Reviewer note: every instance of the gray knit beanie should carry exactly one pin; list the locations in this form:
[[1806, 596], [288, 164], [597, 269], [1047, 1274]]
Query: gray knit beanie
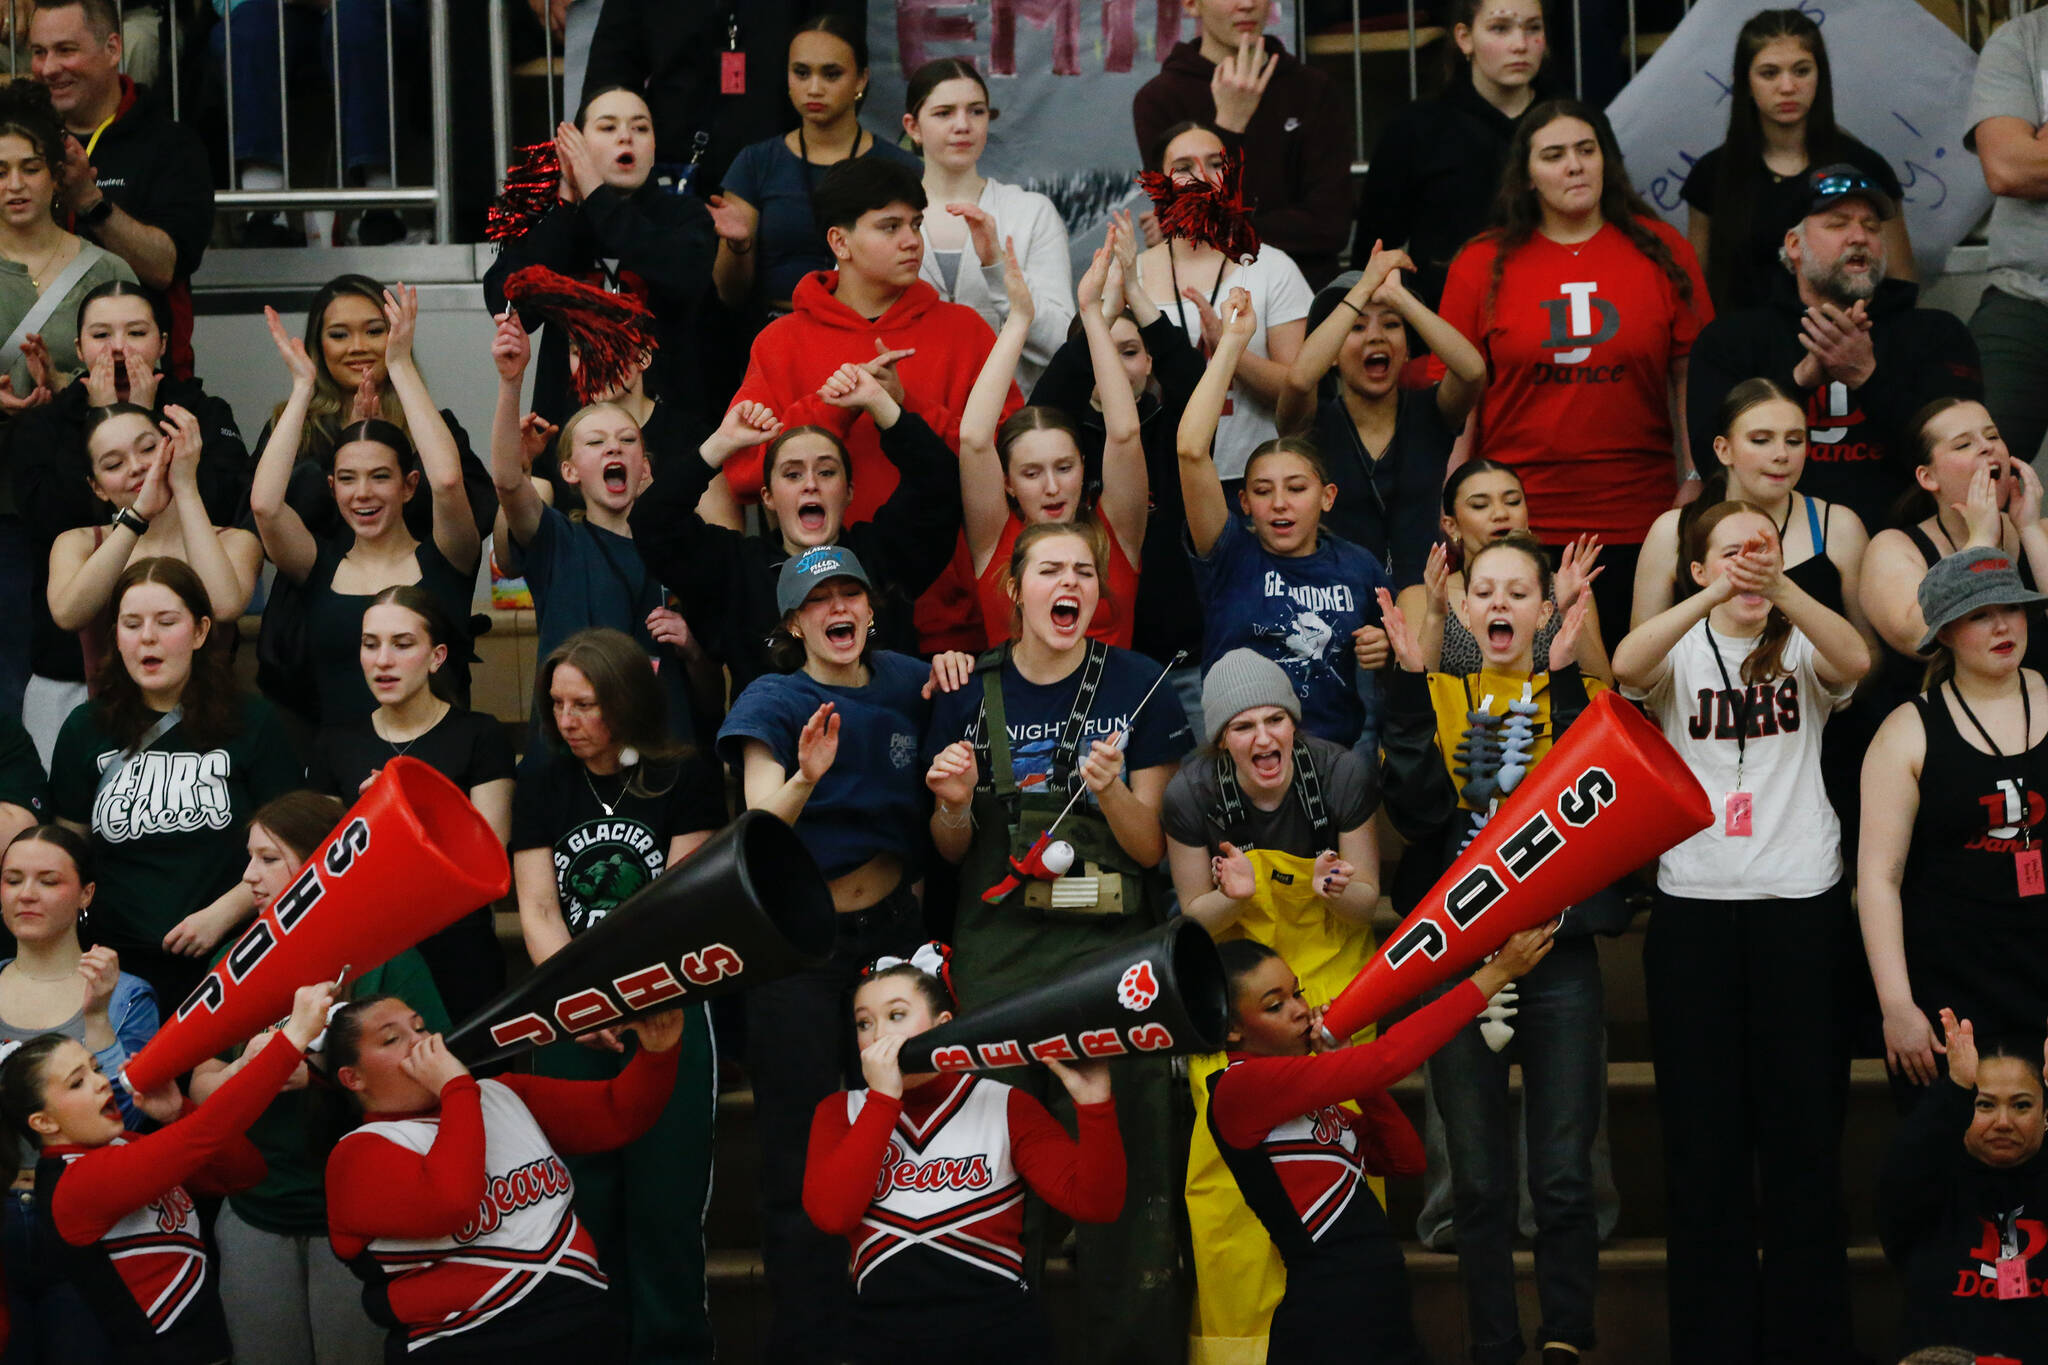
[[1240, 680]]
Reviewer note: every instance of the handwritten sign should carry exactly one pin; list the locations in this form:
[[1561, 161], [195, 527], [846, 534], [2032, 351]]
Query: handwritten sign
[[1911, 109]]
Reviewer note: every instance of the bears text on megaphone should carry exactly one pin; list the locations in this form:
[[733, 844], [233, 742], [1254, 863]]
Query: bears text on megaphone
[[269, 929], [638, 991], [1135, 990], [1534, 842]]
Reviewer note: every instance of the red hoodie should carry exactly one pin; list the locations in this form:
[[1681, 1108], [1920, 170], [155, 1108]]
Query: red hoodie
[[793, 355]]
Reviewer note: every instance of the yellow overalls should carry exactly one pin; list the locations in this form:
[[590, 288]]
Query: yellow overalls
[[1239, 1277]]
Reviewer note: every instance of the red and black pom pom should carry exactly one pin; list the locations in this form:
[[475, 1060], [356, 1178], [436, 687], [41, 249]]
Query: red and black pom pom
[[1200, 210], [613, 333], [532, 187]]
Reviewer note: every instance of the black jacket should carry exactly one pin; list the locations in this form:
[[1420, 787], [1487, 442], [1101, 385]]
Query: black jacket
[[1168, 613], [47, 467], [669, 50], [1945, 1219], [725, 579], [661, 243], [1859, 452], [1432, 180], [155, 169]]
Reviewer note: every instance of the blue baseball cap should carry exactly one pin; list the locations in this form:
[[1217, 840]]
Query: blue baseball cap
[[801, 573]]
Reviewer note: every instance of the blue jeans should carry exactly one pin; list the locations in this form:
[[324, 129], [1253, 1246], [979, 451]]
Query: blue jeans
[[1558, 1044], [50, 1323], [309, 37]]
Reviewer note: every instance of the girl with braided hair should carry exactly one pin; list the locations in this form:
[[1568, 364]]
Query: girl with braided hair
[[1585, 396], [1751, 915], [1457, 744]]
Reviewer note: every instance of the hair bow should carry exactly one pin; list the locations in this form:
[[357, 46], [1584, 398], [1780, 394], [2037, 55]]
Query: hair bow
[[934, 959]]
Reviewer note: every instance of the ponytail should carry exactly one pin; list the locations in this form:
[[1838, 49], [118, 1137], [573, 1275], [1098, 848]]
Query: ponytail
[[21, 1094]]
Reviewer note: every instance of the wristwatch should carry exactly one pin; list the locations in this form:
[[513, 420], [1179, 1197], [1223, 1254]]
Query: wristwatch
[[95, 217], [131, 519]]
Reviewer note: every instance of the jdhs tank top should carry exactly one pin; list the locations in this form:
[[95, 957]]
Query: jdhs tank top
[[1973, 942]]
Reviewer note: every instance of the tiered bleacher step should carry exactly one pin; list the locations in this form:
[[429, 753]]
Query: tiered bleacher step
[[1631, 1320], [1632, 1265]]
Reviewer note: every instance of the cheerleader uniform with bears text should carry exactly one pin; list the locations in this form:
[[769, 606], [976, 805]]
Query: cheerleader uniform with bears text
[[462, 1223], [1302, 1160], [122, 1219], [929, 1189]]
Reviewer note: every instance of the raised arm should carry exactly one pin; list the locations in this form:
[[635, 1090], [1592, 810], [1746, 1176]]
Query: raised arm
[[772, 787], [285, 538], [1126, 487], [1645, 652], [1424, 605], [737, 223], [229, 584], [985, 509], [1201, 488], [1296, 407], [455, 533], [109, 1183], [518, 500]]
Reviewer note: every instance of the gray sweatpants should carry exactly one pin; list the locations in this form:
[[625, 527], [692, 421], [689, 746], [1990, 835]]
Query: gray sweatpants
[[290, 1300]]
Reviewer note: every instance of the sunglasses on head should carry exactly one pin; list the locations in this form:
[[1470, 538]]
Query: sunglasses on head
[[1844, 184]]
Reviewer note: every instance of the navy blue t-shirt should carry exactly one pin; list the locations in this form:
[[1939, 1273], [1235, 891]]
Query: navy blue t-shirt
[[1033, 714], [1298, 612], [584, 576], [872, 799]]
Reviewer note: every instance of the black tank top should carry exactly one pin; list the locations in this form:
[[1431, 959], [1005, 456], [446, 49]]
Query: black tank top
[[1817, 575], [1973, 943]]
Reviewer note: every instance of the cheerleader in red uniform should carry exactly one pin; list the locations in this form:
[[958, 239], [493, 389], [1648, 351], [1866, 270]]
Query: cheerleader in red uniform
[[452, 1202], [926, 1175], [1301, 1158], [117, 1209]]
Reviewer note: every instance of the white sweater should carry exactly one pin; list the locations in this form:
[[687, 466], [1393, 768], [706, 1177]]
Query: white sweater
[[1030, 221]]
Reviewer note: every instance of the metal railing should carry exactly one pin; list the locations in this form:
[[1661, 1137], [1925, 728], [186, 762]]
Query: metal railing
[[1967, 11], [437, 195], [440, 195]]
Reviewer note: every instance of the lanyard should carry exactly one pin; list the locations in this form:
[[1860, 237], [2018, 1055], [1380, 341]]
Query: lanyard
[[2015, 795], [1743, 708], [94, 140]]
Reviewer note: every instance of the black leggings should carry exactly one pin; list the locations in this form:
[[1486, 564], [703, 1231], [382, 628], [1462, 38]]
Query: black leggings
[[1752, 1089], [799, 1050]]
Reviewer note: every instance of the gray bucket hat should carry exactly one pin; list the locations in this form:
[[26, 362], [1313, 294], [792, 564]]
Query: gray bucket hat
[[1965, 581]]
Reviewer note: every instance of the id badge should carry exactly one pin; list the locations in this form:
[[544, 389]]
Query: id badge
[[2012, 1271], [732, 73], [1736, 820], [2027, 865]]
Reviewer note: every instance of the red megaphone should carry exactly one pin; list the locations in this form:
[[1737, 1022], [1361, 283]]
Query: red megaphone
[[408, 860], [1607, 798]]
